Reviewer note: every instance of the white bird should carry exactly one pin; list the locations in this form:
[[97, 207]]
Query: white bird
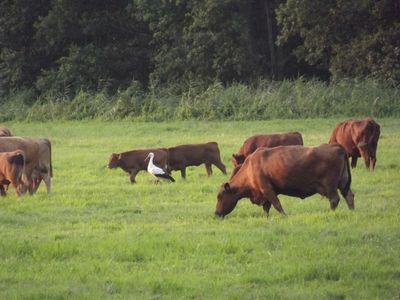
[[157, 172]]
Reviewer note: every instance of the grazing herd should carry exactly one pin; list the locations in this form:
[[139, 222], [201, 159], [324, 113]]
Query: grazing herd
[[24, 163], [264, 167], [268, 165]]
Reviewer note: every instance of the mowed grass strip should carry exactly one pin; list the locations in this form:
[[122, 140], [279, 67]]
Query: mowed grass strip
[[98, 236]]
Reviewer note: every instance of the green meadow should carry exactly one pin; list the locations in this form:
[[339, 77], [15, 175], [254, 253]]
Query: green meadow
[[99, 237]]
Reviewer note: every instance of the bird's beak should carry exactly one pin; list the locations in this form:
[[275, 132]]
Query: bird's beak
[[147, 157]]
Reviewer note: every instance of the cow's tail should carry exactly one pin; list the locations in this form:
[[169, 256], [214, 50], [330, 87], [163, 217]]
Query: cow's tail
[[51, 165], [346, 173]]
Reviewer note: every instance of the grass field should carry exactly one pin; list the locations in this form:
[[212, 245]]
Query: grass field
[[97, 236]]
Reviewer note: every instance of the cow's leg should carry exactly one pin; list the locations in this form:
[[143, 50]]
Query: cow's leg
[[333, 199], [2, 190], [354, 161], [132, 175], [183, 173], [47, 181], [220, 166], [349, 196], [271, 197], [266, 207], [16, 188], [208, 169]]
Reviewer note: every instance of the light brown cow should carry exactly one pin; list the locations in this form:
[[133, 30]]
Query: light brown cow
[[182, 156], [12, 166], [133, 161], [4, 132], [359, 138], [265, 140], [289, 170]]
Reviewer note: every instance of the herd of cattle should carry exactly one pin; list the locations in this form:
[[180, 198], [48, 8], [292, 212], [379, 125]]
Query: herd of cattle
[[271, 164], [24, 163], [265, 166]]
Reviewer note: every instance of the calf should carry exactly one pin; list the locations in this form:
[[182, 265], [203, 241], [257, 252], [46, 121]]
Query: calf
[[133, 161], [289, 170], [359, 138], [12, 166], [265, 140], [182, 156]]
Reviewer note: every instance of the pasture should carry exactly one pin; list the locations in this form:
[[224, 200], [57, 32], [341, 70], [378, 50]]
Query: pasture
[[97, 236]]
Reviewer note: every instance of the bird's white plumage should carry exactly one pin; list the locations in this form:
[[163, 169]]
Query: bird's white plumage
[[157, 172]]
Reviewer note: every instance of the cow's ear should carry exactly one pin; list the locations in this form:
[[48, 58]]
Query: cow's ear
[[227, 187], [235, 157], [119, 156]]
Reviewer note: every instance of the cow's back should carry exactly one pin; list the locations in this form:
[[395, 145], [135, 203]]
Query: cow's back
[[135, 159], [192, 154], [270, 140], [343, 135], [297, 170], [28, 145]]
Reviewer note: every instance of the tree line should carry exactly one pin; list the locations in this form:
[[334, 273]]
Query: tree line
[[65, 46]]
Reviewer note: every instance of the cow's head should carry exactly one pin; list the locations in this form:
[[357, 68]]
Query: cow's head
[[237, 159], [113, 161], [368, 145], [226, 200]]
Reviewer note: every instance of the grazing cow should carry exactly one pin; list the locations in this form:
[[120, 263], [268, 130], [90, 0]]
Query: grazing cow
[[182, 156], [359, 138], [134, 161], [4, 132], [289, 170], [44, 169], [265, 140], [12, 166]]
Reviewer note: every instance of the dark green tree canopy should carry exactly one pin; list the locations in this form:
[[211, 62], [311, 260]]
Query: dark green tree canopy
[[63, 46]]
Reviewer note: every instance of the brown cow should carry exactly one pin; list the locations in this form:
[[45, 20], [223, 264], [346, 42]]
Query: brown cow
[[359, 138], [133, 161], [265, 140], [182, 156], [289, 170], [4, 132], [31, 149], [12, 166]]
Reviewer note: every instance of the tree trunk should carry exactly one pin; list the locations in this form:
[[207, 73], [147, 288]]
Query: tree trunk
[[271, 38]]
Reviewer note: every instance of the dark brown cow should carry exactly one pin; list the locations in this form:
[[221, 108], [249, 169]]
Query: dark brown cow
[[4, 132], [182, 156], [289, 170], [359, 138], [133, 161], [265, 140], [12, 166]]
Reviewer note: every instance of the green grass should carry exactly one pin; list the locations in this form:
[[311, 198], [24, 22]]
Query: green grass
[[97, 236]]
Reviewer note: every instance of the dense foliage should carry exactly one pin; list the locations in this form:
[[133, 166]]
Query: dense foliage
[[55, 49]]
